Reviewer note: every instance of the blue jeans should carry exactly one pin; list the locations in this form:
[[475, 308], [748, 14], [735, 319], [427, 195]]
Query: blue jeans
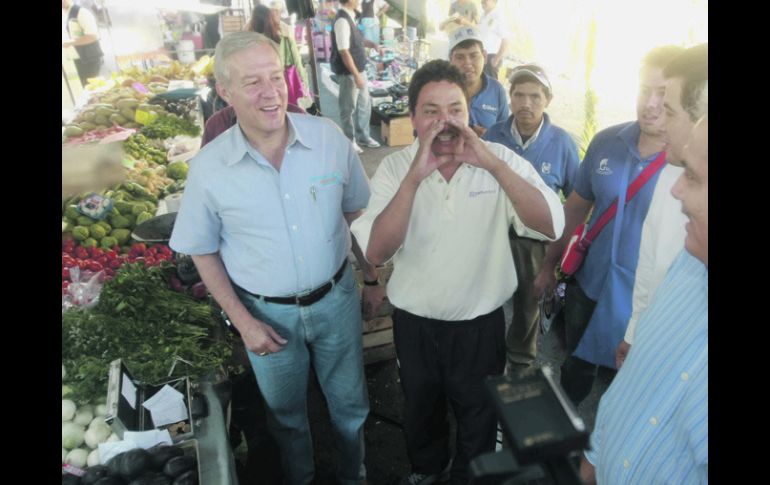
[[326, 334], [355, 108]]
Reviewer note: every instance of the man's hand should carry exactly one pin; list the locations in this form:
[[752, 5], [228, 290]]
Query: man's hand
[[545, 283], [621, 353], [496, 60], [425, 161], [260, 337], [479, 130], [587, 471], [371, 299], [360, 81], [472, 150]]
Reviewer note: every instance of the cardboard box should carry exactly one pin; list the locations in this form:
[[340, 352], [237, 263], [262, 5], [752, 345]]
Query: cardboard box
[[397, 131]]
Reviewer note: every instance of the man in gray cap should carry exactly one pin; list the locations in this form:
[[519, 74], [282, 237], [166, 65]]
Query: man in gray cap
[[489, 104], [553, 153]]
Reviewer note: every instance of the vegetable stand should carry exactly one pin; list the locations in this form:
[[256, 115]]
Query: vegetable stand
[[126, 299]]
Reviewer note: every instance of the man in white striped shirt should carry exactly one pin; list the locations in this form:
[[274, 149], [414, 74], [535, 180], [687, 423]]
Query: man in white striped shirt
[[652, 423]]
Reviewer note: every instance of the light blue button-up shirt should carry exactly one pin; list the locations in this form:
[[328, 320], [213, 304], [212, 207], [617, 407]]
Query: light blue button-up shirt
[[278, 233], [652, 423]]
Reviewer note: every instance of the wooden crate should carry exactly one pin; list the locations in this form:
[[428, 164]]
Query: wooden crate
[[379, 353], [232, 23], [397, 131], [378, 340]]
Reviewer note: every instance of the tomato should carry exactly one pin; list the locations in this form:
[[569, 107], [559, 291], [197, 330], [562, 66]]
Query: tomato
[[95, 266], [97, 253], [139, 247], [109, 272], [82, 264], [115, 264], [65, 273], [103, 260], [116, 248], [149, 261], [112, 254]]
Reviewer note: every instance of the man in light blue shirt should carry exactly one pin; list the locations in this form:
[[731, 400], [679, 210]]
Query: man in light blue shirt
[[264, 217], [652, 424]]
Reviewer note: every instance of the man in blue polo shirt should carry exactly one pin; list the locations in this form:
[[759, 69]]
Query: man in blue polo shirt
[[489, 104], [553, 153], [598, 298], [265, 216]]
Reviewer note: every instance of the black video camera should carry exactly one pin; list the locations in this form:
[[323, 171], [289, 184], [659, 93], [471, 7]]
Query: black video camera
[[542, 427]]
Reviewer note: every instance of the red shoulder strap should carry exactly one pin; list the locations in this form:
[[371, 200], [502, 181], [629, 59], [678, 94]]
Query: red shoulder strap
[[635, 186]]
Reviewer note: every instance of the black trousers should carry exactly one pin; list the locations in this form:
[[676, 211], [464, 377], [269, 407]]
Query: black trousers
[[577, 375], [446, 362], [88, 68]]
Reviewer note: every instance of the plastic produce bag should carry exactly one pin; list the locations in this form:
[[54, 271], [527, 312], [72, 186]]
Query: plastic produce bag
[[84, 289]]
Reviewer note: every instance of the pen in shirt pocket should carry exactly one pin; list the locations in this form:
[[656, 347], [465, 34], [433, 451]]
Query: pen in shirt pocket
[[312, 192]]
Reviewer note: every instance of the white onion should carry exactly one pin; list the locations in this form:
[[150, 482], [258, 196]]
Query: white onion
[[100, 410], [113, 437], [84, 415], [97, 434], [77, 457], [93, 458], [72, 435], [68, 409]]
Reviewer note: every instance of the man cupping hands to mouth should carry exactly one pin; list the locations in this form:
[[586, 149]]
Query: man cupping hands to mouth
[[440, 209]]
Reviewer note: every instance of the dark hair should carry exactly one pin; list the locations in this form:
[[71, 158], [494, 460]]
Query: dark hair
[[434, 71], [692, 66], [661, 56], [467, 44], [262, 21]]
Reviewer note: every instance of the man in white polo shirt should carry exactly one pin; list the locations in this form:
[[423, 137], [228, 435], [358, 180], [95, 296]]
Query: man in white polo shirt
[[440, 209]]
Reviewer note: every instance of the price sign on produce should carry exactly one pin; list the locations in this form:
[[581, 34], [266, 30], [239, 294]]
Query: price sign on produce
[[144, 117]]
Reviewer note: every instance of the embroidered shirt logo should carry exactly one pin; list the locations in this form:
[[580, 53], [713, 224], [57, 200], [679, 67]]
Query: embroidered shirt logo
[[489, 107], [331, 178], [603, 168], [545, 168], [476, 193]]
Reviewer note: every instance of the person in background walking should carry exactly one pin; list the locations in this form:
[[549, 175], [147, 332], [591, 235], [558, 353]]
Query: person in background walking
[[348, 62], [84, 35], [495, 36]]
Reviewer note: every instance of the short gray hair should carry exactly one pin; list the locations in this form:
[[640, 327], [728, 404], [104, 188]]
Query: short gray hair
[[701, 107], [234, 43]]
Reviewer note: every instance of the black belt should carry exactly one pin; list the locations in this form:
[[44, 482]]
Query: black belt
[[308, 298]]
